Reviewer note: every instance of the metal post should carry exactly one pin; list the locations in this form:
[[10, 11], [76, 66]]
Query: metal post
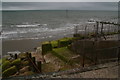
[[76, 29], [84, 48], [96, 33], [118, 54], [102, 34], [101, 28], [66, 13], [85, 29], [96, 40], [83, 63]]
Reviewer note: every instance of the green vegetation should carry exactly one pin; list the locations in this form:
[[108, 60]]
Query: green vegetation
[[25, 63], [3, 60], [16, 62], [46, 47], [10, 71], [64, 54], [60, 49], [28, 73], [6, 65], [22, 55], [54, 44], [60, 56], [65, 42], [60, 43], [64, 51]]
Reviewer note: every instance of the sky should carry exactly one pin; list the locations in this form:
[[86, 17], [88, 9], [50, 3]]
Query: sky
[[60, 6]]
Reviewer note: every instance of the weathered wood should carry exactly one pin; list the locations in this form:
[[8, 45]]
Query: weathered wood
[[33, 59], [39, 66], [29, 54], [15, 56]]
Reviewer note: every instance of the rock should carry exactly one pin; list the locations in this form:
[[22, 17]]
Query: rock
[[24, 69], [17, 73], [27, 73]]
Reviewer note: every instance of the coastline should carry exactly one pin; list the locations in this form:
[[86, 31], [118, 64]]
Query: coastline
[[24, 44]]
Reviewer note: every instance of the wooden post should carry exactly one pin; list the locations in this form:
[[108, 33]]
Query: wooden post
[[29, 54], [39, 66], [15, 56], [33, 68], [58, 43], [33, 59]]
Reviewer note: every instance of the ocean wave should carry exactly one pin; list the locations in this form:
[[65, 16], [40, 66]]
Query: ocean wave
[[14, 52], [1, 37], [40, 33], [28, 25], [26, 38], [8, 32]]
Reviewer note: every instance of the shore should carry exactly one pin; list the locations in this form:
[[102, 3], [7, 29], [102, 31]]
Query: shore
[[24, 44]]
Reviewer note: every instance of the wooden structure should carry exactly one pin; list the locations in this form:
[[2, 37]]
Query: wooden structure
[[99, 33]]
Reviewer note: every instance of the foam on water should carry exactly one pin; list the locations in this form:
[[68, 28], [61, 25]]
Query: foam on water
[[50, 23]]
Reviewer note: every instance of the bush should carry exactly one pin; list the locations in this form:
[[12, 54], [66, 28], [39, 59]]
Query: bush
[[10, 71], [5, 65], [46, 47], [16, 62]]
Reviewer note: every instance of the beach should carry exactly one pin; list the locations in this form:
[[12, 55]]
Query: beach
[[25, 33], [24, 45]]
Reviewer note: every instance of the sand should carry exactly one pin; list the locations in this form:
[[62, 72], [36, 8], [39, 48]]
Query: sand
[[25, 45]]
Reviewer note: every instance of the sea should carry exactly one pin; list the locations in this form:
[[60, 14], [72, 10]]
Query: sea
[[48, 24]]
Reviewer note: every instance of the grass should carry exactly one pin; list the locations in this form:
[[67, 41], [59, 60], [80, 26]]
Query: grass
[[60, 56], [64, 51], [49, 67], [64, 54]]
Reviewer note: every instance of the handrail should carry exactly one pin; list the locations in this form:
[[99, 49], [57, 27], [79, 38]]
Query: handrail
[[35, 66]]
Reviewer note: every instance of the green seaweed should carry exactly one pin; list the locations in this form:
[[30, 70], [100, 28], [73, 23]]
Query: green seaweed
[[10, 71], [6, 65]]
